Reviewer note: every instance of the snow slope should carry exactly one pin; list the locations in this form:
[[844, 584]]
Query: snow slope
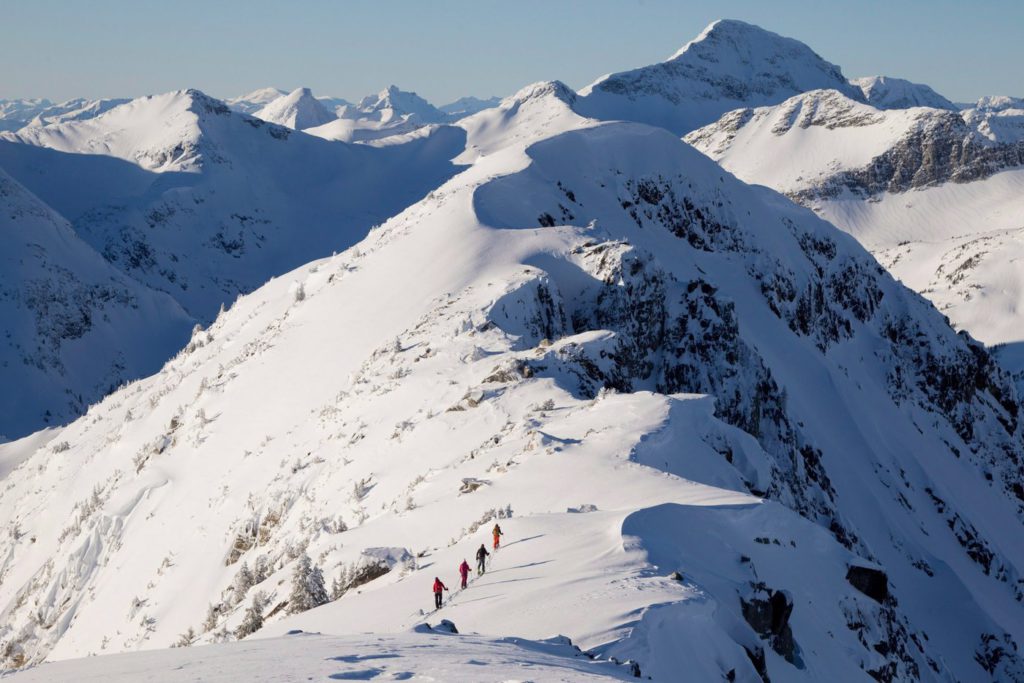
[[193, 199], [885, 92], [730, 64], [65, 312], [298, 110], [525, 343]]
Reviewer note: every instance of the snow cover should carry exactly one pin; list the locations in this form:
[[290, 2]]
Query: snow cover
[[543, 323], [718, 436], [189, 198], [298, 110], [886, 92], [390, 112], [465, 106], [65, 312], [730, 64], [204, 203], [417, 656], [252, 102], [924, 188]]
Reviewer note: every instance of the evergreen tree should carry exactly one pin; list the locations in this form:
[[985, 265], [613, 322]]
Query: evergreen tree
[[244, 580], [252, 621], [308, 589], [212, 614]]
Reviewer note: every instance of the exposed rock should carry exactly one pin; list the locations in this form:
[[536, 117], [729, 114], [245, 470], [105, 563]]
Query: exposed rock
[[871, 582]]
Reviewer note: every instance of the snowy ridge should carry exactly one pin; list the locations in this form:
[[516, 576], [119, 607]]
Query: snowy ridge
[[885, 92], [729, 65], [571, 291]]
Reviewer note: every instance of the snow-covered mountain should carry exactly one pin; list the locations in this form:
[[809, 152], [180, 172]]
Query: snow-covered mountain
[[388, 113], [938, 195], [66, 313], [523, 345], [204, 203], [465, 106], [16, 113], [252, 102], [730, 64], [298, 110], [885, 92]]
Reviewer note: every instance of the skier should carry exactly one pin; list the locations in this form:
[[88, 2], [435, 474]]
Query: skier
[[497, 535], [438, 587], [464, 572], [481, 559]]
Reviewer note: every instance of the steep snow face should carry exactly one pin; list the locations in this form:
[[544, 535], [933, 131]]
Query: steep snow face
[[529, 339], [466, 106], [65, 312], [885, 92], [252, 102], [297, 110], [191, 198], [730, 64]]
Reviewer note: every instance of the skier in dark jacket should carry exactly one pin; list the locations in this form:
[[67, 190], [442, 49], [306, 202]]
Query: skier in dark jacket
[[481, 559], [438, 587], [464, 572]]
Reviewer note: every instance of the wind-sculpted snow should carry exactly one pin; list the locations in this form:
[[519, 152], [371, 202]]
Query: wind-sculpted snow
[[730, 64], [523, 346]]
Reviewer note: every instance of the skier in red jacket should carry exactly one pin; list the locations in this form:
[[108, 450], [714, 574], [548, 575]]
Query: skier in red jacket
[[464, 572], [438, 587]]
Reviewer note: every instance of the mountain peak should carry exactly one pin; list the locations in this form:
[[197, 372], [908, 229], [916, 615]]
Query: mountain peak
[[299, 109], [392, 103], [541, 89], [730, 65]]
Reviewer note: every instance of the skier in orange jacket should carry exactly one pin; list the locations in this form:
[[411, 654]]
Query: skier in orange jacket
[[497, 536]]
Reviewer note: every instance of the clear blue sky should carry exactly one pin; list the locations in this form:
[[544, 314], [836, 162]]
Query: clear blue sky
[[447, 48]]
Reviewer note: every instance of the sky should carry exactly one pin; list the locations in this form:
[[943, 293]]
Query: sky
[[444, 49]]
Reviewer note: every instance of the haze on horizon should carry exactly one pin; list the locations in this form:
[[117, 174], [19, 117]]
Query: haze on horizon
[[452, 48]]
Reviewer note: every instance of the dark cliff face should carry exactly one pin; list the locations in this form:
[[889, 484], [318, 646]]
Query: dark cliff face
[[946, 149]]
